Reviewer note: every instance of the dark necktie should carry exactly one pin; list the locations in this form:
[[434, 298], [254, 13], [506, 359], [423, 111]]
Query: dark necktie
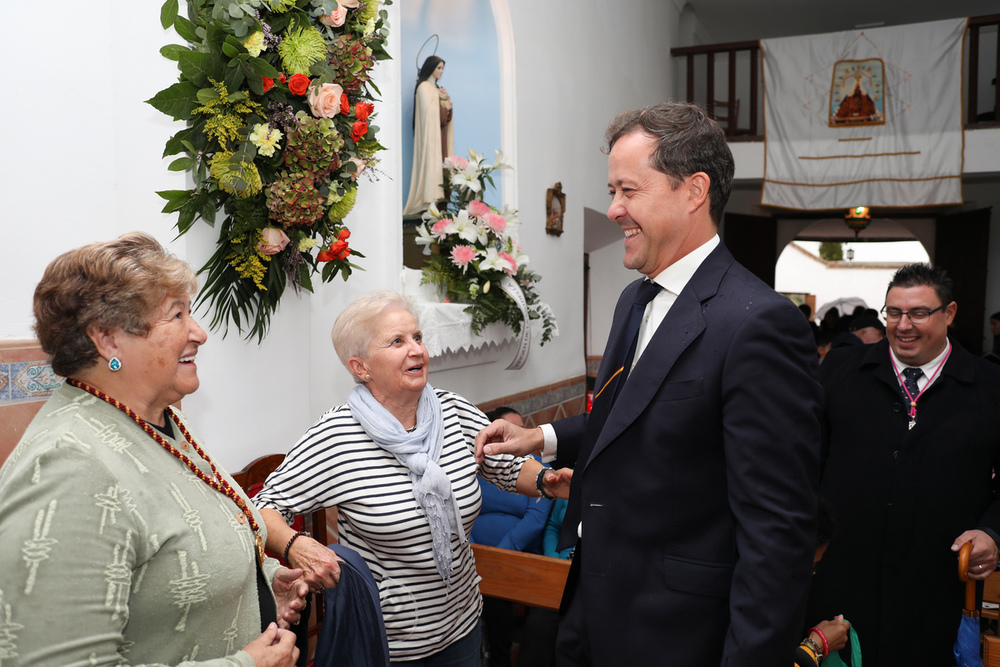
[[647, 291], [910, 377]]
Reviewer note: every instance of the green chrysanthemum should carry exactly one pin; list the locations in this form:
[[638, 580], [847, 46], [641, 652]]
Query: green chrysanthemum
[[281, 6], [300, 49], [368, 13], [340, 209], [238, 178]]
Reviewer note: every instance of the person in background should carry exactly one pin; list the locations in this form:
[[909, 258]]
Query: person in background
[[995, 332], [868, 328], [827, 636], [507, 521], [911, 437], [397, 461], [127, 544]]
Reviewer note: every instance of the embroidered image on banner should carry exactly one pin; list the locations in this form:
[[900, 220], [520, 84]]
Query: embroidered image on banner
[[857, 96]]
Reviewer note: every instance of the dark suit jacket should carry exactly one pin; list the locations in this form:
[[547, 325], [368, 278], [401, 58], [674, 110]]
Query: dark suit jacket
[[901, 497], [698, 492]]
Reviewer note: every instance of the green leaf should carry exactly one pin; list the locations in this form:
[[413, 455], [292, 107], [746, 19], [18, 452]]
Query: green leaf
[[175, 199], [186, 29], [206, 95], [181, 164], [168, 13], [173, 51], [261, 67], [230, 50], [196, 67], [178, 143], [177, 101]]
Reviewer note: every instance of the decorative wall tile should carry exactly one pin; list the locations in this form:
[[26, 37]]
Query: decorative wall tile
[[4, 383], [32, 380]]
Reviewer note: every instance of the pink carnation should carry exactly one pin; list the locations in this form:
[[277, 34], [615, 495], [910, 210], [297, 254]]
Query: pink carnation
[[455, 162], [496, 222], [478, 209], [461, 255], [509, 258], [440, 228]]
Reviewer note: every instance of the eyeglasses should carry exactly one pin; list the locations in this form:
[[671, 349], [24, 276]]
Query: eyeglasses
[[917, 315]]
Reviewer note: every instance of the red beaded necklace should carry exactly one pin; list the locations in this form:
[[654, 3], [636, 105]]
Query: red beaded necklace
[[219, 483]]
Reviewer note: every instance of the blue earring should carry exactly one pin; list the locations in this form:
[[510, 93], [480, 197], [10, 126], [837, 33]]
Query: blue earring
[[115, 364]]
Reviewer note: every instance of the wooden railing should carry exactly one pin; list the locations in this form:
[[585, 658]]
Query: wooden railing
[[744, 77]]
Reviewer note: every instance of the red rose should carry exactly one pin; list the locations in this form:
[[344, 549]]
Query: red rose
[[298, 84], [268, 83], [363, 109], [281, 78], [338, 249], [359, 129], [345, 105]]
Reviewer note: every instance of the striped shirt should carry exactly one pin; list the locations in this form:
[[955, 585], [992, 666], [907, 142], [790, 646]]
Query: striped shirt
[[336, 464]]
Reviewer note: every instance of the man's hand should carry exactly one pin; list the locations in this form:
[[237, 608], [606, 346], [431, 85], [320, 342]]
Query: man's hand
[[503, 437], [983, 559], [557, 482], [290, 590]]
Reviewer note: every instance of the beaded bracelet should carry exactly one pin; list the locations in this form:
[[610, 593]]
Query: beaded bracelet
[[813, 646], [826, 644], [540, 484], [805, 656], [288, 547]]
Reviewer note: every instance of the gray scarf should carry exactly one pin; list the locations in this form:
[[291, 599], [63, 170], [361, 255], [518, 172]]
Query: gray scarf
[[418, 451]]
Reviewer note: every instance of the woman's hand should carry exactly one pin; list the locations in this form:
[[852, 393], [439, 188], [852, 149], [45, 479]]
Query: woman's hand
[[290, 590], [836, 632], [274, 648], [320, 566], [557, 482]]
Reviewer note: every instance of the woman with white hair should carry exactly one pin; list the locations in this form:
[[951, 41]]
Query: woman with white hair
[[397, 462]]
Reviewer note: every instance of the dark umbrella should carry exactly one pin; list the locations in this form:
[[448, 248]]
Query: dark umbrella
[[967, 642]]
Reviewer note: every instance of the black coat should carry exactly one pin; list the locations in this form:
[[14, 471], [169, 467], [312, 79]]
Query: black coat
[[901, 497], [698, 492]]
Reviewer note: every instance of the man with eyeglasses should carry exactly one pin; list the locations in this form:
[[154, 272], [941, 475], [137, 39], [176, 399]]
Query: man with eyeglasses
[[911, 436]]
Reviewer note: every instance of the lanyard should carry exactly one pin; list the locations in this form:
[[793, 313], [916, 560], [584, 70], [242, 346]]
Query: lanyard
[[912, 412]]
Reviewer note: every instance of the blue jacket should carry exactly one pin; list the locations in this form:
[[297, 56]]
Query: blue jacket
[[510, 520]]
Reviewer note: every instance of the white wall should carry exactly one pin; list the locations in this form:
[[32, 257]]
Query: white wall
[[82, 163]]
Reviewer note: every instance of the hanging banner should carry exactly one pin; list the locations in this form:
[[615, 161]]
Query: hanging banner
[[513, 290], [864, 117]]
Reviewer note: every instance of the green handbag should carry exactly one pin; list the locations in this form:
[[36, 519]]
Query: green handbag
[[834, 659]]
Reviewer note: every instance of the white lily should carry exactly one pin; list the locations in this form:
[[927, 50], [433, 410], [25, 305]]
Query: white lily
[[493, 260], [467, 178], [425, 238], [466, 229], [499, 163], [431, 213]]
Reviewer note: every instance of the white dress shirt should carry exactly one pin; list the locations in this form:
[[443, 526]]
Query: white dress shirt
[[672, 279]]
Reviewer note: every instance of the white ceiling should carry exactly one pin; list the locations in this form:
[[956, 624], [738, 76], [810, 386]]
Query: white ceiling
[[742, 20]]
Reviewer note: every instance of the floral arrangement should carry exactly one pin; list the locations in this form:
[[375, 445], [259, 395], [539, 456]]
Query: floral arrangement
[[473, 247], [276, 98]]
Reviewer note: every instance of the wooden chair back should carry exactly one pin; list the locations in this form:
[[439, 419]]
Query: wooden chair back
[[252, 479]]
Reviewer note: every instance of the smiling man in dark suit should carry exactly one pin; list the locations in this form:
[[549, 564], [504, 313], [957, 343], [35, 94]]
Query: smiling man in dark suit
[[911, 440], [694, 492]]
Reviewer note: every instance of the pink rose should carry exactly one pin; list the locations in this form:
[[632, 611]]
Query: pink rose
[[324, 101], [273, 241], [455, 162], [478, 209], [334, 19], [361, 166]]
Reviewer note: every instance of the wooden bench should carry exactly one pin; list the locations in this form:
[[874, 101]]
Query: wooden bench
[[529, 579]]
